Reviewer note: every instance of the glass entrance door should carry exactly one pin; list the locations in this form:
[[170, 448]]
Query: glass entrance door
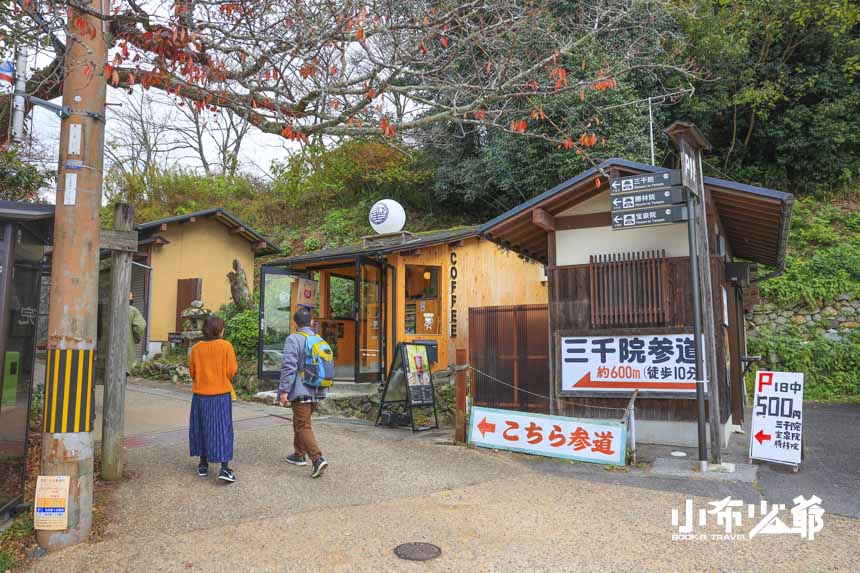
[[276, 318], [370, 319]]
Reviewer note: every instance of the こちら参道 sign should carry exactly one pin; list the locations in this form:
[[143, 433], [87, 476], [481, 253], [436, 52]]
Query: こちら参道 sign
[[585, 440], [648, 363]]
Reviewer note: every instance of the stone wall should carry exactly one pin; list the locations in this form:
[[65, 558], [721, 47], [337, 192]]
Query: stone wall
[[832, 320]]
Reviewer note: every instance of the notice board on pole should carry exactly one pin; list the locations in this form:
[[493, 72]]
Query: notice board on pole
[[51, 507], [776, 433]]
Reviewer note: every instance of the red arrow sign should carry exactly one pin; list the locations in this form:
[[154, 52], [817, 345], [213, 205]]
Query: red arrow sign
[[484, 426], [586, 382], [762, 437]]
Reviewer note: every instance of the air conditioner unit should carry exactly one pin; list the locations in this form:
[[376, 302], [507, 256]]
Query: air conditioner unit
[[741, 274]]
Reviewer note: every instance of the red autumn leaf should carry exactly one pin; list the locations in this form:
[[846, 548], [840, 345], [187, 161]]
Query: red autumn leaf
[[88, 71], [423, 48], [108, 70], [124, 48], [444, 41], [489, 67], [481, 114], [597, 183], [333, 70], [568, 143], [359, 34]]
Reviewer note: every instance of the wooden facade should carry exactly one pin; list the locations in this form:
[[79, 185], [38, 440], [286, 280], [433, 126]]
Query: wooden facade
[[636, 282]]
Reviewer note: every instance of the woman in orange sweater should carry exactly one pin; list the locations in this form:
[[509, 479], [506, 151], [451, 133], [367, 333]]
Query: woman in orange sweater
[[212, 364]]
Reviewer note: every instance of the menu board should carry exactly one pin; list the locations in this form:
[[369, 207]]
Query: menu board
[[410, 382]]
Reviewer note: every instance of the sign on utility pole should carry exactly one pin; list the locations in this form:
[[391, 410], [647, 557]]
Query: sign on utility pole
[[67, 441], [690, 142]]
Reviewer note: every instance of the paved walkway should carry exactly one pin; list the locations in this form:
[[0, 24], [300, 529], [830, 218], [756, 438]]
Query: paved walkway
[[487, 511]]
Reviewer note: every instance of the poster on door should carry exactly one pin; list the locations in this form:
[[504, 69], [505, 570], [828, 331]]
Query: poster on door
[[308, 293], [649, 363], [776, 433]]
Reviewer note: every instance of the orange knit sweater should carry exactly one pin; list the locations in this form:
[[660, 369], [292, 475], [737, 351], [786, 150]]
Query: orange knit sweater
[[212, 364]]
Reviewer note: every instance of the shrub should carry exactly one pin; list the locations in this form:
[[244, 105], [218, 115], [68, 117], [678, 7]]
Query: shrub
[[241, 329], [830, 367]]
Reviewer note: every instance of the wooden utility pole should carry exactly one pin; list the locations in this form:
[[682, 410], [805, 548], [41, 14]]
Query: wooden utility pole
[[67, 441], [113, 409], [691, 142]]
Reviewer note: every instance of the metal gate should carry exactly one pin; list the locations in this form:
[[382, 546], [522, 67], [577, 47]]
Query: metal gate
[[509, 356]]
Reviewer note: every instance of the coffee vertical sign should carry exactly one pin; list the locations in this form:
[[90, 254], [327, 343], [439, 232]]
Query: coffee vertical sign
[[452, 273]]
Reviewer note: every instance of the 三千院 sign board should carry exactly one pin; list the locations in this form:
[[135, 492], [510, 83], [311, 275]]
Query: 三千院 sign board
[[648, 363], [585, 440], [644, 182], [776, 432]]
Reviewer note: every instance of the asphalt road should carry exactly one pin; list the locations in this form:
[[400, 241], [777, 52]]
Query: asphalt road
[[487, 511]]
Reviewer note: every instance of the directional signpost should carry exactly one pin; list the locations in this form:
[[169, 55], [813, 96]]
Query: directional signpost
[[647, 182], [649, 217], [647, 200], [654, 198]]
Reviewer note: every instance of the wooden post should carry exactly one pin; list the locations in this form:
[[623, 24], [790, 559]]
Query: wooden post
[[460, 417], [113, 415], [691, 142]]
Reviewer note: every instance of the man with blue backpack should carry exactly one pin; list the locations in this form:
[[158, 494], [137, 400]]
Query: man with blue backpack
[[306, 374]]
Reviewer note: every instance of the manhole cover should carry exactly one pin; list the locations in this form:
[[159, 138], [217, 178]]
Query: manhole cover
[[417, 551]]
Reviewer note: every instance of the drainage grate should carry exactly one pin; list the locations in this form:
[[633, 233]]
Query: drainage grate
[[417, 551]]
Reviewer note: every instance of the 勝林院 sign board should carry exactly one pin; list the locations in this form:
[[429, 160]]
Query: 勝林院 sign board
[[643, 199], [585, 440], [650, 217], [645, 182], [776, 432], [648, 363], [51, 507]]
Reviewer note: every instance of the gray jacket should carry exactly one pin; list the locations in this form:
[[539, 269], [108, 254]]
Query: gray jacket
[[291, 381]]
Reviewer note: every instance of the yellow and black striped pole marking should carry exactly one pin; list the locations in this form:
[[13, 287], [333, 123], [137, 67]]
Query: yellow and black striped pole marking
[[69, 391]]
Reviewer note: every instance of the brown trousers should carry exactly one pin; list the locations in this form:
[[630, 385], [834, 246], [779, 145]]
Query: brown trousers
[[304, 441]]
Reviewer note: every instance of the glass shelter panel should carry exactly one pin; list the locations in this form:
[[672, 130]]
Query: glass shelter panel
[[275, 319], [19, 303]]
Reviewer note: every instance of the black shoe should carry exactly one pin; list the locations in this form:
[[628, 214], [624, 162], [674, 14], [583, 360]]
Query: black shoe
[[319, 467], [203, 470], [227, 475], [297, 460]]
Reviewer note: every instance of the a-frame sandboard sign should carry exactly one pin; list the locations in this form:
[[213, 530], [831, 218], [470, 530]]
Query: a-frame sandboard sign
[[410, 383]]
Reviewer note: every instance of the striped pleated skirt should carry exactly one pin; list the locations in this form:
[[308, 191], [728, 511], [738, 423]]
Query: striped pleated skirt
[[210, 430]]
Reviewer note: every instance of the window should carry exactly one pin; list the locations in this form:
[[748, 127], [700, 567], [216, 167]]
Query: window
[[423, 303], [630, 289], [341, 297]]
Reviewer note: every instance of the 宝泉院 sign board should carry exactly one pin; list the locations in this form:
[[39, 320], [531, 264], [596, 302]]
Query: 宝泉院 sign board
[[649, 217], [648, 363], [776, 432], [644, 182], [51, 507], [585, 440]]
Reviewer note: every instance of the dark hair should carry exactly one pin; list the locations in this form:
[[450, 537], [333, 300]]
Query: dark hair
[[302, 317], [212, 327]]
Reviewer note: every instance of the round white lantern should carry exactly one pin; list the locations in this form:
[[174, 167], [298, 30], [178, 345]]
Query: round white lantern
[[387, 216]]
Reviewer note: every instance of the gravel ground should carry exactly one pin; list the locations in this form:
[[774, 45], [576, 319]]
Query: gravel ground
[[487, 511]]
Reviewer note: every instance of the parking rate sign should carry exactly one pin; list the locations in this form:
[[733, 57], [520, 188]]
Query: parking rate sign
[[777, 423]]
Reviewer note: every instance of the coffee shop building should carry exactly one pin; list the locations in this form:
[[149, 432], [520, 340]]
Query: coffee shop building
[[402, 287]]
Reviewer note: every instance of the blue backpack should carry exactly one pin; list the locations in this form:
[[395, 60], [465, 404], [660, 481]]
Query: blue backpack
[[318, 370]]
